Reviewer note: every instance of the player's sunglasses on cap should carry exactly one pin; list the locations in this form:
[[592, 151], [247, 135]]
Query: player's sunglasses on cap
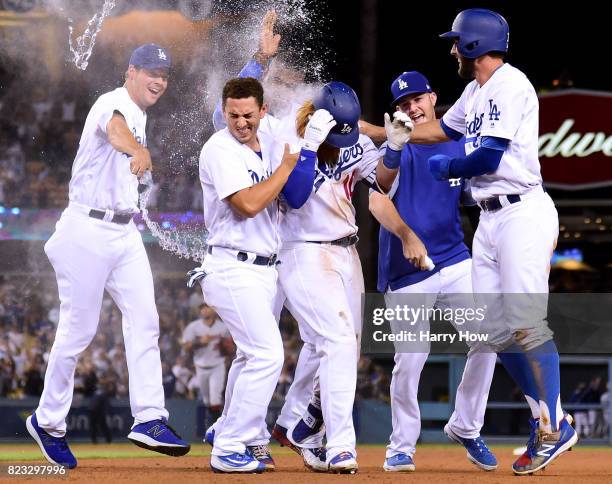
[[151, 56], [411, 82]]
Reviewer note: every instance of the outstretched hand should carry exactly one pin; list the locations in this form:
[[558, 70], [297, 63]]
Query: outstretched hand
[[398, 130], [268, 40]]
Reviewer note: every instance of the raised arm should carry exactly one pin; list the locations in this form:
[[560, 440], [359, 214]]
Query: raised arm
[[257, 65]]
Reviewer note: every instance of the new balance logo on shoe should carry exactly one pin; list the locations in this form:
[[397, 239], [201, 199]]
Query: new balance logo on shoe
[[545, 452], [157, 430]]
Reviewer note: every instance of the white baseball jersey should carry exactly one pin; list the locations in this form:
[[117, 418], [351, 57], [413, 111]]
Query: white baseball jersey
[[506, 106], [226, 167], [208, 355], [101, 176], [328, 214]]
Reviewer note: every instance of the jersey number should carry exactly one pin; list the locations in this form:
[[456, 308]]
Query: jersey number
[[348, 185]]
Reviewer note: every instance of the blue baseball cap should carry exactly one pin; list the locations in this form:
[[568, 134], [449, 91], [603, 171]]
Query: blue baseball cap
[[411, 82], [151, 56]]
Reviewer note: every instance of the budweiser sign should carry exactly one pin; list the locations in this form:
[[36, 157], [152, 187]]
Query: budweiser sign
[[575, 144]]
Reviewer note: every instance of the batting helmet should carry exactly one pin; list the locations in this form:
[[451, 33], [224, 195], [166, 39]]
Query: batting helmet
[[479, 31], [343, 104]]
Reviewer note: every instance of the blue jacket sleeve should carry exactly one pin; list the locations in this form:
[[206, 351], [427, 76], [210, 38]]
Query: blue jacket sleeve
[[299, 184], [251, 69]]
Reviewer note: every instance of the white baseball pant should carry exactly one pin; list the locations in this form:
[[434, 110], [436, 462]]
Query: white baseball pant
[[471, 399], [512, 250], [211, 381], [323, 284], [88, 256], [242, 294]]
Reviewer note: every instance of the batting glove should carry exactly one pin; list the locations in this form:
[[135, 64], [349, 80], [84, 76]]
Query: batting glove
[[318, 127], [439, 166], [399, 130]]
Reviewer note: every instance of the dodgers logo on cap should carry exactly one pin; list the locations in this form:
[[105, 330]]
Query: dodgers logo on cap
[[151, 56], [411, 82]]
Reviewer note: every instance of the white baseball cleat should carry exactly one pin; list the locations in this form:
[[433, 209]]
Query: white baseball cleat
[[343, 463]]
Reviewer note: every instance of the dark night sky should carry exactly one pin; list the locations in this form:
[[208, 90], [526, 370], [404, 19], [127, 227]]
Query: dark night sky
[[543, 43]]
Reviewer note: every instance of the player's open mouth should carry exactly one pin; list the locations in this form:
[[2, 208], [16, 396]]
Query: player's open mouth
[[417, 118], [244, 131], [154, 91]]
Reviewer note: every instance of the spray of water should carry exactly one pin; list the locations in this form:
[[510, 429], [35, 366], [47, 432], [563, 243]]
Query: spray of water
[[188, 243], [82, 48], [234, 40]]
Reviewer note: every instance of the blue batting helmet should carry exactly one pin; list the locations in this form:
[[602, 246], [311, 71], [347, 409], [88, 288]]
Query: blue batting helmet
[[479, 31], [343, 104]]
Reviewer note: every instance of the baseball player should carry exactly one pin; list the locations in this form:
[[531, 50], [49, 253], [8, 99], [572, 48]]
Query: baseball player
[[431, 209], [238, 277], [498, 115], [97, 246], [203, 339]]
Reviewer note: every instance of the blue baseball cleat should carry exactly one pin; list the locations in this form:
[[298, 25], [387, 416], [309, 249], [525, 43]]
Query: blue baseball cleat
[[209, 436], [544, 448], [55, 449], [477, 451], [236, 463], [399, 463], [158, 436], [525, 459], [309, 428]]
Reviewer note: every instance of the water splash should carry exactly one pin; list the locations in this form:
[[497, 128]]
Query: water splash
[[187, 243], [82, 49]]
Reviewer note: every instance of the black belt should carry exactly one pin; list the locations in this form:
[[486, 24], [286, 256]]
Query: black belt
[[259, 260], [343, 242], [494, 203], [118, 218]]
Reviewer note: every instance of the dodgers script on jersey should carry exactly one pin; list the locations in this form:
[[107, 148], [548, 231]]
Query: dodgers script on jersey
[[226, 167], [506, 106], [101, 176], [332, 195]]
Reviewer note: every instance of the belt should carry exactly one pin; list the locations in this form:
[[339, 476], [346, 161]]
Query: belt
[[117, 218], [243, 256], [343, 242], [497, 203]]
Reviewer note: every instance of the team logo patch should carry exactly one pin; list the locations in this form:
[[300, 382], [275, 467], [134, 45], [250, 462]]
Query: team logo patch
[[161, 54], [402, 84], [346, 129], [494, 113], [454, 182]]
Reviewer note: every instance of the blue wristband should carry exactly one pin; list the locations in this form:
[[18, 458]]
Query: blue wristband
[[392, 159]]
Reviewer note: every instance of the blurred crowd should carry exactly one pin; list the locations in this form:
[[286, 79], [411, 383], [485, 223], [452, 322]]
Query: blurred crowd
[[29, 316], [40, 127], [591, 423]]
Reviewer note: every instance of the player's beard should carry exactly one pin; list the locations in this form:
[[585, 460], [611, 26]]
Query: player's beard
[[466, 69]]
